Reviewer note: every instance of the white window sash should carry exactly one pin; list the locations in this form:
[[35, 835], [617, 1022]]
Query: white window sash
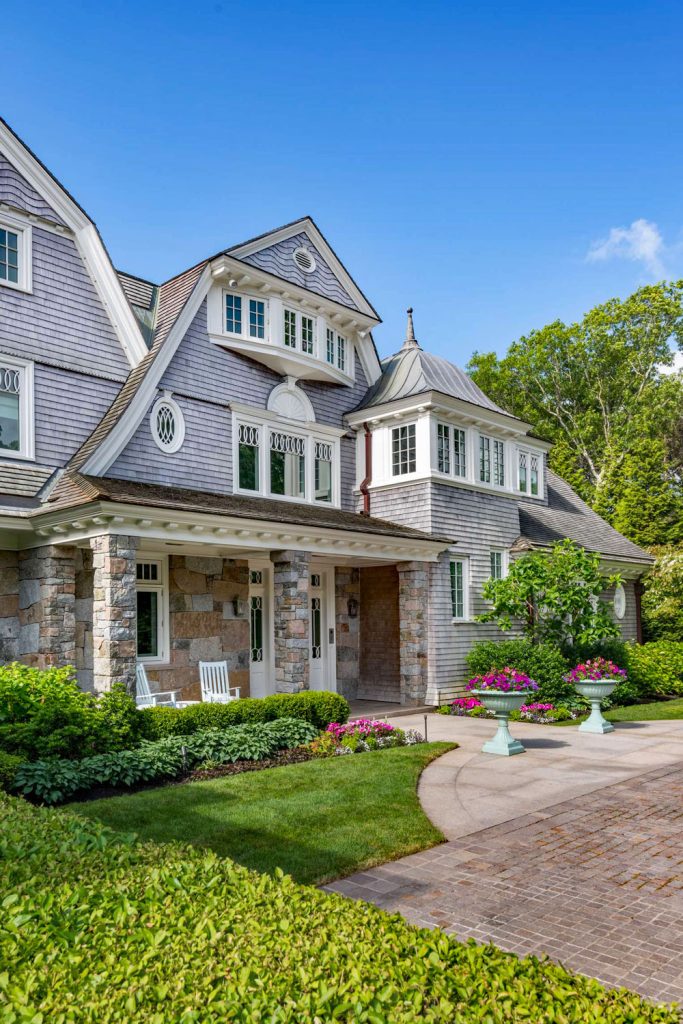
[[160, 588]]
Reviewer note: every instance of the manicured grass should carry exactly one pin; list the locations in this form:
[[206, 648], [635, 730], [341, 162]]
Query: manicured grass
[[317, 821], [662, 710]]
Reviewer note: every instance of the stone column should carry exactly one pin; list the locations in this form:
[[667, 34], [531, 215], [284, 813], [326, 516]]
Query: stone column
[[114, 612], [413, 605], [347, 593], [47, 596], [9, 606], [291, 617]]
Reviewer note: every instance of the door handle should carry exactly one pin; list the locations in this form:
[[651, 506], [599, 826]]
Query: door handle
[[330, 633]]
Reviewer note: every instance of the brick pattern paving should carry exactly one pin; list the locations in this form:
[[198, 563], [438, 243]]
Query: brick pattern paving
[[595, 882]]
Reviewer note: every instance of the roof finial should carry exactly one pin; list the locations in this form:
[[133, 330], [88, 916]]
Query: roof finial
[[411, 341]]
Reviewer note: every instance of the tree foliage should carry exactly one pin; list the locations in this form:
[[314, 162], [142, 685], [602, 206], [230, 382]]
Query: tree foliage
[[555, 595], [599, 391], [663, 597]]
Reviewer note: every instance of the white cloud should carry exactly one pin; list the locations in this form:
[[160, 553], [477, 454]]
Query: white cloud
[[642, 242], [677, 364]]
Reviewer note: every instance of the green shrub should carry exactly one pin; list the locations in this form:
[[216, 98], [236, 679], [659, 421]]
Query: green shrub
[[43, 713], [543, 662], [320, 708], [55, 780], [9, 765], [100, 927], [657, 668]]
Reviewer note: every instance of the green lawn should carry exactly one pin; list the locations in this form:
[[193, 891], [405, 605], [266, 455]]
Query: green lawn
[[659, 711], [317, 821]]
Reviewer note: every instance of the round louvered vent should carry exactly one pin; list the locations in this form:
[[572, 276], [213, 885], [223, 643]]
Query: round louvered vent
[[304, 260]]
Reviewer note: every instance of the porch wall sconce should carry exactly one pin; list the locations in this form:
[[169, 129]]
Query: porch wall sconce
[[238, 606], [352, 607]]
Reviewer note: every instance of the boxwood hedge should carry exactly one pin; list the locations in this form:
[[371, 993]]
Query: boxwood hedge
[[319, 707], [101, 929]]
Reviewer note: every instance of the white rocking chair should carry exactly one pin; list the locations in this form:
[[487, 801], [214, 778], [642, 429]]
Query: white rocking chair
[[213, 678], [144, 698]]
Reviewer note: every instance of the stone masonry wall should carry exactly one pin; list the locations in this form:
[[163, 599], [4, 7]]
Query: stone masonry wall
[[379, 668], [83, 612], [291, 576], [413, 597], [114, 624], [203, 623], [346, 588], [9, 606], [47, 592]]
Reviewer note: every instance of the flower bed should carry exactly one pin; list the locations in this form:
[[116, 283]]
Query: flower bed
[[360, 736]]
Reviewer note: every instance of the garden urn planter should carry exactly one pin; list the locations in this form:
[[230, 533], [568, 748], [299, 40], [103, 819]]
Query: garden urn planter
[[501, 704], [595, 690]]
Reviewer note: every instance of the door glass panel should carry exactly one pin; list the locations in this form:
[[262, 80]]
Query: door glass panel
[[256, 629], [315, 628], [148, 624]]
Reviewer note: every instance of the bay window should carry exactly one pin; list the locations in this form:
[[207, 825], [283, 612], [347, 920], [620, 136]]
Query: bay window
[[491, 461], [287, 465], [443, 447], [529, 472], [257, 319], [403, 450], [330, 346], [233, 314], [290, 329], [450, 450]]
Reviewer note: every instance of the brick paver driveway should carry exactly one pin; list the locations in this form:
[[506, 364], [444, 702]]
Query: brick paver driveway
[[595, 881]]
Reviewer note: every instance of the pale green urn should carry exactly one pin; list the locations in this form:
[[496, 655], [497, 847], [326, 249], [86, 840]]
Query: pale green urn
[[595, 691], [501, 704]]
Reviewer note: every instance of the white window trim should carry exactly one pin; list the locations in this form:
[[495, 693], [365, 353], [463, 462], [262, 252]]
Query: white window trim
[[537, 454], [453, 557], [179, 438], [505, 561], [25, 245], [451, 427], [409, 474], [310, 433], [161, 588], [26, 409]]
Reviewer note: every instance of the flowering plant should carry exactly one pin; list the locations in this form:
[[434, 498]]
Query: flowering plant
[[506, 680], [596, 668], [463, 705], [366, 734], [362, 727]]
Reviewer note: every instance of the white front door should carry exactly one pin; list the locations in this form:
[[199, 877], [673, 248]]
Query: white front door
[[261, 677], [322, 650]]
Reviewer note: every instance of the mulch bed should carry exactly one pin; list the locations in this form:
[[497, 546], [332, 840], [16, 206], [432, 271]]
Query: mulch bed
[[295, 756]]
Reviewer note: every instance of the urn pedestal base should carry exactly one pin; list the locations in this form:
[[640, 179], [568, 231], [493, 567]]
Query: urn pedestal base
[[502, 704], [595, 690], [503, 743]]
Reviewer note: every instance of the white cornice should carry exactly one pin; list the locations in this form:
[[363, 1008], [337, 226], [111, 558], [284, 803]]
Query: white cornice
[[88, 242], [246, 536]]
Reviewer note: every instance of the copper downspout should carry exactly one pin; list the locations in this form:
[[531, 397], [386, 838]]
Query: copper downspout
[[368, 471]]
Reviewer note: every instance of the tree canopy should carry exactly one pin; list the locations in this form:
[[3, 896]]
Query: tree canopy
[[600, 391]]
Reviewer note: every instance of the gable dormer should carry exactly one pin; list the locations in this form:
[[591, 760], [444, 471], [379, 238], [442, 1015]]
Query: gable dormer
[[285, 300]]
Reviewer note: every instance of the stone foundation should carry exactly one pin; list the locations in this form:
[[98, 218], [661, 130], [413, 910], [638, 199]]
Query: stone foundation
[[413, 604], [83, 613], [204, 625], [347, 588], [9, 606], [291, 575]]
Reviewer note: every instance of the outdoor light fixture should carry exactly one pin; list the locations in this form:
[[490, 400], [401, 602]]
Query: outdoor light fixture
[[238, 606], [352, 608]]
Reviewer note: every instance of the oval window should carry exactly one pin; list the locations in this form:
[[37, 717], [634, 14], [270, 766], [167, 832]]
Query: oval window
[[167, 425], [620, 602]]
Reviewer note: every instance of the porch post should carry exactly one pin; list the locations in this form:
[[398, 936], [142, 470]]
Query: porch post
[[114, 613], [291, 616], [413, 603], [47, 606]]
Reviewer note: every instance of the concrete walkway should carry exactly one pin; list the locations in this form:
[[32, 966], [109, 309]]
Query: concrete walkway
[[573, 849]]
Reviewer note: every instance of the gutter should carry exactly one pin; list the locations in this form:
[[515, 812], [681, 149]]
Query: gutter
[[368, 471]]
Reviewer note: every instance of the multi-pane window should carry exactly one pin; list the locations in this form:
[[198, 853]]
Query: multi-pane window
[[249, 445], [9, 256], [485, 459], [323, 471], [403, 458], [457, 569], [330, 351], [522, 465], [533, 476], [443, 447], [459, 462], [257, 318], [341, 352], [496, 565], [499, 463], [10, 408], [150, 610], [307, 335], [233, 314], [287, 465], [290, 328]]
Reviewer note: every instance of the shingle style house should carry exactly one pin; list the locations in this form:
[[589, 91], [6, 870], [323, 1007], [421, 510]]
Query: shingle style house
[[219, 467]]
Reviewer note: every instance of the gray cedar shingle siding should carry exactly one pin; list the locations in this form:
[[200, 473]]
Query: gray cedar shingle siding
[[62, 322], [68, 406], [277, 259], [17, 192]]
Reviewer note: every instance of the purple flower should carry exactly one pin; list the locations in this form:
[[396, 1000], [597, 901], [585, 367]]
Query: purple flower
[[506, 680], [595, 668]]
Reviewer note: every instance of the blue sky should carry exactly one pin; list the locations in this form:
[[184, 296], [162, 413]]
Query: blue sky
[[463, 158]]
